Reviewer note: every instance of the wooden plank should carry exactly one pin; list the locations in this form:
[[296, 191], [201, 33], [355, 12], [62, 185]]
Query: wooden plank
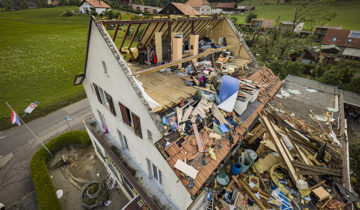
[[187, 113], [178, 115], [174, 63], [198, 140], [186, 169], [241, 184], [124, 37], [134, 35], [280, 148], [158, 46], [257, 135], [334, 172]]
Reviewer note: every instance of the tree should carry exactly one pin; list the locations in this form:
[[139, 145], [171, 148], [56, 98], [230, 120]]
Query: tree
[[250, 16]]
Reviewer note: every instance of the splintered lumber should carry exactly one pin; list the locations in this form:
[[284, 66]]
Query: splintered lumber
[[186, 169], [248, 136], [187, 113], [219, 116], [174, 63], [334, 172], [198, 140], [280, 149], [240, 183], [179, 115], [257, 135]]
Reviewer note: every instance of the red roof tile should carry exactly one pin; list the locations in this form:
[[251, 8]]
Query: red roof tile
[[186, 9], [197, 3], [340, 38], [97, 3]]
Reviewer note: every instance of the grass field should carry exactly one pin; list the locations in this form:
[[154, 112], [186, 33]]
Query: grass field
[[348, 13], [40, 52]]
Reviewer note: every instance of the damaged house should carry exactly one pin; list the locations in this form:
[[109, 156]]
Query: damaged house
[[176, 109]]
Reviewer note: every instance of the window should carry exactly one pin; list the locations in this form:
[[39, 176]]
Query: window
[[154, 172], [104, 98], [131, 119], [334, 39], [123, 141], [349, 40], [102, 119]]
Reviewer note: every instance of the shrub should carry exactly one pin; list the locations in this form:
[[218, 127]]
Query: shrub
[[45, 190], [68, 13], [250, 16]]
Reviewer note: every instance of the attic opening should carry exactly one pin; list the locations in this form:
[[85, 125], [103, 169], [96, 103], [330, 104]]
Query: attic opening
[[160, 50]]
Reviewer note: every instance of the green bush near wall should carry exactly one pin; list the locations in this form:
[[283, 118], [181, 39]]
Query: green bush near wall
[[44, 188]]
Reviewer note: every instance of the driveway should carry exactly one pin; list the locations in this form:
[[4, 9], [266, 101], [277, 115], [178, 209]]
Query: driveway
[[17, 146]]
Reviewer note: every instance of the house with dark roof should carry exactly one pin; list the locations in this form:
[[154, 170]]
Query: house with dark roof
[[202, 6], [347, 40], [233, 8], [100, 6], [179, 8]]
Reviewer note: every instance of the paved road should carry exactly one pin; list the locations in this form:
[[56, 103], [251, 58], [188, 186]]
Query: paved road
[[17, 146]]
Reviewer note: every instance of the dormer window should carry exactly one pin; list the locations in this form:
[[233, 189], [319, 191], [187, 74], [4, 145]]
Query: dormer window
[[334, 39], [349, 41]]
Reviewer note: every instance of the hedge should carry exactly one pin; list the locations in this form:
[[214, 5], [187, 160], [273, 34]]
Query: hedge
[[44, 188]]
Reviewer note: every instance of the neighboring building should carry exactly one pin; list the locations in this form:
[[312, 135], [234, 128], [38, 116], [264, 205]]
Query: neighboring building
[[287, 25], [320, 31], [179, 8], [329, 53], [348, 41], [202, 6], [306, 56], [131, 102], [100, 6], [146, 9], [228, 8], [262, 23], [244, 9], [55, 3]]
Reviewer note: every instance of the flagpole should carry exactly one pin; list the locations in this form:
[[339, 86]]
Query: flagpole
[[35, 136]]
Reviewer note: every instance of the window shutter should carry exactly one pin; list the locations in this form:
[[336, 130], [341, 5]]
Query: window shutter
[[111, 104], [137, 125], [97, 93], [124, 114]]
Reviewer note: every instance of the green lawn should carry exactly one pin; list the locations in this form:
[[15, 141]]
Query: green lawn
[[348, 13], [40, 52]]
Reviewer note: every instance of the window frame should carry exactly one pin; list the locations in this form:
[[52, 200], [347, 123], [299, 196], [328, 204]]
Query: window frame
[[153, 169]]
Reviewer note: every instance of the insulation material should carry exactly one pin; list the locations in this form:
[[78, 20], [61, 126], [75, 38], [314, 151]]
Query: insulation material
[[228, 93], [194, 45], [254, 96], [294, 92], [158, 46], [152, 103], [333, 136], [240, 106], [186, 169]]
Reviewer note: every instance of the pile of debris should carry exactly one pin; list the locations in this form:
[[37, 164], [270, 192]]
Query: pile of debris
[[282, 162]]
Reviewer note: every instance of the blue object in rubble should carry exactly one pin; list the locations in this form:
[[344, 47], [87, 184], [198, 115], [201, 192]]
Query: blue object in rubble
[[223, 128], [165, 121]]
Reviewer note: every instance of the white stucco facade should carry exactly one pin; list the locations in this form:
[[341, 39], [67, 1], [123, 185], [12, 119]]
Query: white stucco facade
[[205, 9], [118, 83], [85, 8]]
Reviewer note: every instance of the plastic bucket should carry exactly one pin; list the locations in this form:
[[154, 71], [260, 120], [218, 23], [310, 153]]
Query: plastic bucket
[[247, 164], [236, 168]]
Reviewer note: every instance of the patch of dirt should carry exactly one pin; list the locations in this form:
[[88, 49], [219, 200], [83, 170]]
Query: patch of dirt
[[82, 164]]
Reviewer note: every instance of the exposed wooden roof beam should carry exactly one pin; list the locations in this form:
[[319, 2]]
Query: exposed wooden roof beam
[[113, 22], [174, 63]]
